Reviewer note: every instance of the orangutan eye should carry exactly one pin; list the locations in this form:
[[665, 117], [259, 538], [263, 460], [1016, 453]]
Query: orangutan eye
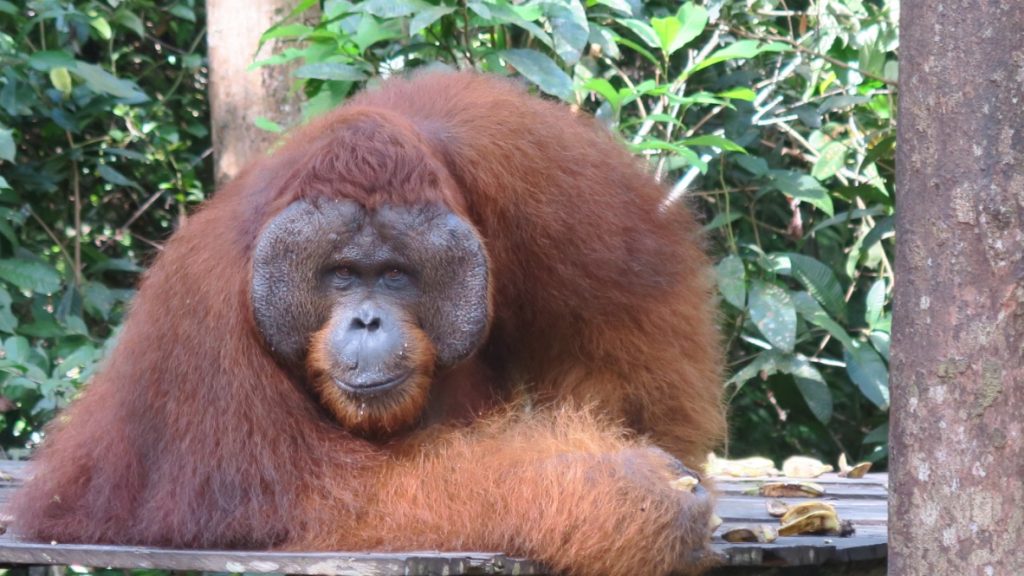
[[343, 273], [393, 274]]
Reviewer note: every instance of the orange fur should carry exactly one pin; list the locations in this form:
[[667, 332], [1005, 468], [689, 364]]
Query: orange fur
[[603, 326]]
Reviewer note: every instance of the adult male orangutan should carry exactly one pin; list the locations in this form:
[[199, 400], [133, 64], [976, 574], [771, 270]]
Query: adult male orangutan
[[448, 315]]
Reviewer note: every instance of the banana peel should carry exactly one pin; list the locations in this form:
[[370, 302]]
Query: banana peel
[[857, 471], [762, 533], [804, 508], [791, 490], [742, 468], [804, 467], [684, 483], [822, 521]]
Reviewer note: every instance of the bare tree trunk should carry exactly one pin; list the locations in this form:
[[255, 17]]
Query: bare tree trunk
[[957, 436], [237, 95]]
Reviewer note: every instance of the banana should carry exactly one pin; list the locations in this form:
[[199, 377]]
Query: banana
[[804, 467], [755, 533], [805, 508], [791, 490], [820, 522]]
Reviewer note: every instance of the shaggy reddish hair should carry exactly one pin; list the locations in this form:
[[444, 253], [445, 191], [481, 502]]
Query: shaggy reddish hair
[[602, 347]]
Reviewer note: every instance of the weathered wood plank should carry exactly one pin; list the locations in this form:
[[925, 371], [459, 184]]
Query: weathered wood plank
[[862, 501]]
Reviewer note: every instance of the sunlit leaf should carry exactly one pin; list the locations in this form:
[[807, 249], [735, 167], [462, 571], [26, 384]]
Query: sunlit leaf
[[541, 70], [732, 280], [771, 309], [869, 372]]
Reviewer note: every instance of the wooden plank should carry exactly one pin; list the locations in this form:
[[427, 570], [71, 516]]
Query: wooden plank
[[340, 563], [862, 501]]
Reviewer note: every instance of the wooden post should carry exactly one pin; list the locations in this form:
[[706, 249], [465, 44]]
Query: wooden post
[[237, 95], [957, 432]]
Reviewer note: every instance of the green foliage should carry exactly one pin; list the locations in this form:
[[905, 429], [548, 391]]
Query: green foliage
[[774, 119], [102, 128]]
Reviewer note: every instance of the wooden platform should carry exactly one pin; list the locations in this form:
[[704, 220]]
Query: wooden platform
[[861, 501]]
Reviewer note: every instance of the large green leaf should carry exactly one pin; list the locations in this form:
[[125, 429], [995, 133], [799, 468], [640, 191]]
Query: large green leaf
[[7, 320], [99, 80], [332, 71], [867, 369], [772, 311], [812, 387], [802, 187], [732, 281], [538, 68], [820, 281], [874, 304], [811, 311], [30, 275], [737, 50], [428, 16], [570, 29], [7, 146], [830, 160]]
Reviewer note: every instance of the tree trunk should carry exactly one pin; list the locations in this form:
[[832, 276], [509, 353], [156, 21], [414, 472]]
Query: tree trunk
[[238, 96], [957, 436]]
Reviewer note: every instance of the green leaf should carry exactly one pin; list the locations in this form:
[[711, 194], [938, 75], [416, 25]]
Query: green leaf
[[331, 71], [61, 80], [97, 299], [45, 60], [772, 311], [869, 372], [264, 123], [754, 164], [694, 19], [8, 322], [831, 159], [8, 149], [883, 228], [293, 30], [17, 349], [811, 311], [812, 387], [371, 31], [102, 27], [617, 5], [393, 8], [802, 187], [667, 29], [428, 16], [687, 154], [184, 12], [130, 20], [715, 141], [820, 281], [732, 280], [722, 219], [99, 80], [766, 362], [643, 30], [570, 29], [108, 173], [874, 304], [737, 50], [880, 340], [879, 435], [30, 275], [739, 93], [540, 70], [500, 11], [605, 89]]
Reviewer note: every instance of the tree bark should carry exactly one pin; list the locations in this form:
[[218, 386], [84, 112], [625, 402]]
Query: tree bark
[[238, 96], [957, 432]]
